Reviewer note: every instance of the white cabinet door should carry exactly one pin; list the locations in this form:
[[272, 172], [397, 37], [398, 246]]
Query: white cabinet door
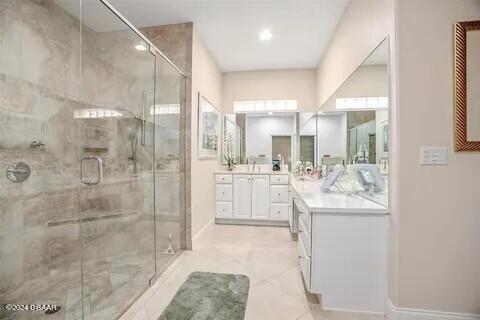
[[242, 191], [260, 197]]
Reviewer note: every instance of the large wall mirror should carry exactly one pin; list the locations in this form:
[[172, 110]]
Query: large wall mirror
[[260, 137], [467, 82], [352, 126]]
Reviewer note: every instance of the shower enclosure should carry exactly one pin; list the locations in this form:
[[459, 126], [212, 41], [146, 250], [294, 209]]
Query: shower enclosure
[[91, 153]]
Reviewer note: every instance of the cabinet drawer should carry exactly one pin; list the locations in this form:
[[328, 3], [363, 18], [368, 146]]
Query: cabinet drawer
[[303, 215], [304, 260], [279, 211], [279, 194], [279, 179], [305, 218], [224, 210], [223, 178], [224, 192], [306, 238]]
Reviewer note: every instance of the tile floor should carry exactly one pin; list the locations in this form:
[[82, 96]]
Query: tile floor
[[267, 255]]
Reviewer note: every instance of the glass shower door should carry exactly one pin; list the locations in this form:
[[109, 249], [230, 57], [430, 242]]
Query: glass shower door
[[169, 112], [116, 200]]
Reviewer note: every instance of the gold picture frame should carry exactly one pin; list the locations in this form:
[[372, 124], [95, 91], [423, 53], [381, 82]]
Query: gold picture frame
[[462, 144]]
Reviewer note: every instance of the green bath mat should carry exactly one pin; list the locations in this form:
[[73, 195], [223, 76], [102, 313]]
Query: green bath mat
[[209, 296]]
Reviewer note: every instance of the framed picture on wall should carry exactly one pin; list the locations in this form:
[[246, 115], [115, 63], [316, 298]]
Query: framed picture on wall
[[209, 127]]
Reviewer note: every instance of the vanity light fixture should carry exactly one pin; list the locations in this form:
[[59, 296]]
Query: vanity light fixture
[[265, 35], [263, 106], [161, 109], [140, 47], [95, 113], [361, 103]]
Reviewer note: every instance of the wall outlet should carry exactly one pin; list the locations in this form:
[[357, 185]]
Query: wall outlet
[[433, 156]]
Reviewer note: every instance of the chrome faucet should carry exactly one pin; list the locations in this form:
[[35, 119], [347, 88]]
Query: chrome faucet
[[254, 163]]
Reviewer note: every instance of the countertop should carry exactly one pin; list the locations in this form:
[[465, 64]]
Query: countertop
[[318, 201], [256, 172]]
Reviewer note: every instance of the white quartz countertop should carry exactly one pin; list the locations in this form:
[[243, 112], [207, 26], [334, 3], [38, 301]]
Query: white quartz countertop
[[318, 201], [256, 172]]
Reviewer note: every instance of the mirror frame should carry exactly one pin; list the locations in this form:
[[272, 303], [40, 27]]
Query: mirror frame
[[461, 142]]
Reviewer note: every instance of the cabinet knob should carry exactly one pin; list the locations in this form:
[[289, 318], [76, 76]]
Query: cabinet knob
[[278, 212], [278, 194]]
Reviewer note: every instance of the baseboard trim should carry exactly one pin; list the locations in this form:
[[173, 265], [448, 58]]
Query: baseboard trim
[[202, 229], [251, 222], [397, 313]]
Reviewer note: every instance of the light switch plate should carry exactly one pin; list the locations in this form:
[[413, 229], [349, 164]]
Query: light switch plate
[[433, 156]]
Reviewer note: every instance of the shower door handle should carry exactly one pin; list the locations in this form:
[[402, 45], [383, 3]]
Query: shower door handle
[[91, 181]]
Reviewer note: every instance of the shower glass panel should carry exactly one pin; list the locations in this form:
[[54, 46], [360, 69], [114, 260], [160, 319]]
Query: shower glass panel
[[92, 182], [169, 163], [40, 77], [117, 214]]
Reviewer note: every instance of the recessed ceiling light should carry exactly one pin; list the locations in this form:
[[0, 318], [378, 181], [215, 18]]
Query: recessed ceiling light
[[140, 47], [265, 35]]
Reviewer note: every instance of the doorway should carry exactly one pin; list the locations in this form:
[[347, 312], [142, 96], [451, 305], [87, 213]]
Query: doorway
[[307, 149], [281, 145]]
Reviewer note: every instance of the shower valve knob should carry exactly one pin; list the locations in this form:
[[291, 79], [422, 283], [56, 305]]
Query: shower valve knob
[[18, 172]]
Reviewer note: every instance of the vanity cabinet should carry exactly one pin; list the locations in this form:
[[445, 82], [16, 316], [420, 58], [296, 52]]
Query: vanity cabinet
[[252, 198], [342, 248]]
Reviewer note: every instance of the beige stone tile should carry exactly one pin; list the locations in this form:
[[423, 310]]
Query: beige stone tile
[[291, 283], [142, 315], [232, 266], [265, 301], [261, 253], [307, 316], [319, 314], [203, 259], [267, 262]]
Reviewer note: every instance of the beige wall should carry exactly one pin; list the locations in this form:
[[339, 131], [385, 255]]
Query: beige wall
[[366, 81], [364, 25], [299, 84], [439, 247], [206, 79], [434, 237]]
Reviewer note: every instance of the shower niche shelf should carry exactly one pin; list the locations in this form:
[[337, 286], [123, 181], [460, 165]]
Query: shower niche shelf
[[95, 149]]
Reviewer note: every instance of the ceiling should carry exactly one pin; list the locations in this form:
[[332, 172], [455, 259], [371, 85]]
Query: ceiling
[[229, 28]]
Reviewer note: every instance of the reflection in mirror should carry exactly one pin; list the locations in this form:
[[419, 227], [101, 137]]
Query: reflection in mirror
[[352, 125], [259, 138], [308, 139], [232, 141]]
